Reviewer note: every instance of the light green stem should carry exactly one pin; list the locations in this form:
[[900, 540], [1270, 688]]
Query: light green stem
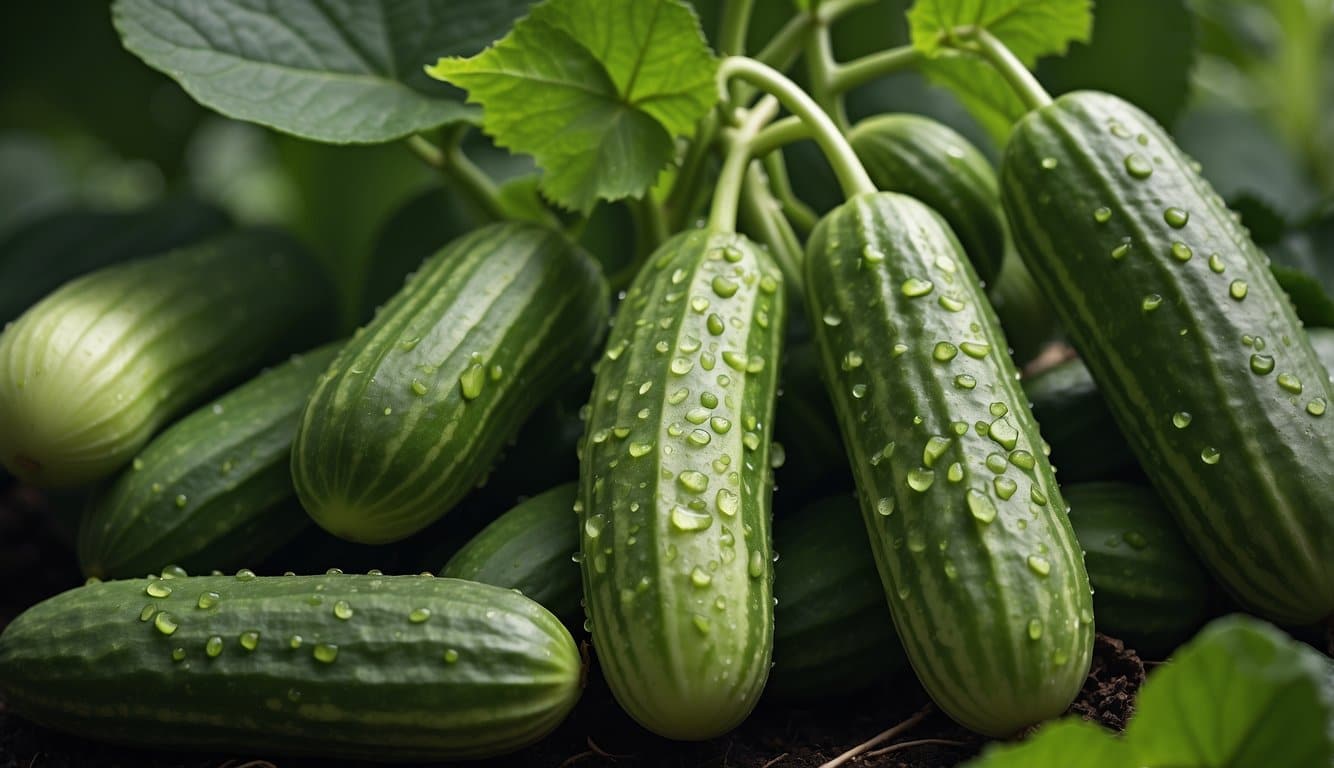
[[862, 71], [450, 161], [766, 220], [727, 192], [779, 134], [685, 192], [800, 214], [820, 67], [1024, 83], [735, 24], [851, 175]]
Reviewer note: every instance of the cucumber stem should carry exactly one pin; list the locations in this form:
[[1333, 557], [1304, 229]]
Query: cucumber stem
[[821, 68], [778, 134], [727, 192], [851, 175], [798, 213], [450, 161], [861, 71], [766, 220], [732, 30], [1024, 82]]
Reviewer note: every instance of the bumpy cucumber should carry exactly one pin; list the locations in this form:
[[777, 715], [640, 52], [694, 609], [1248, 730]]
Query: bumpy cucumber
[[832, 632], [388, 668], [55, 249], [928, 160], [214, 490], [415, 408], [88, 374], [982, 571], [1149, 589], [1192, 342], [1085, 442], [528, 548], [675, 486]]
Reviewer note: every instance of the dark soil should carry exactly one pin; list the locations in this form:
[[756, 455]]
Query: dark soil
[[37, 561]]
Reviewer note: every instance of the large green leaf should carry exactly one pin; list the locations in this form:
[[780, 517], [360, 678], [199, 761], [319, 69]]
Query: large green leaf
[[1240, 694], [338, 71], [595, 90], [1065, 743]]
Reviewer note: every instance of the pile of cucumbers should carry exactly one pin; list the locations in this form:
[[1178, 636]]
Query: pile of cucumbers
[[204, 391]]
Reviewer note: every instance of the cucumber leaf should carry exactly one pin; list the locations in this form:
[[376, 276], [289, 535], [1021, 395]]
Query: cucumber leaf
[[1241, 693], [1029, 28], [1064, 743], [336, 71], [595, 90]]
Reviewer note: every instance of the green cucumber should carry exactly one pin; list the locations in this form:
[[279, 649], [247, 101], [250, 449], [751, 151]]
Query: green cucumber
[[1149, 589], [928, 160], [89, 373], [528, 548], [980, 566], [675, 486], [832, 633], [387, 668], [416, 407], [1193, 344], [48, 252], [212, 491], [1085, 442]]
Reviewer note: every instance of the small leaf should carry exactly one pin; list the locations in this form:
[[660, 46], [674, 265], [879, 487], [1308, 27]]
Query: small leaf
[[337, 71], [595, 90], [1240, 694], [981, 89], [1061, 744]]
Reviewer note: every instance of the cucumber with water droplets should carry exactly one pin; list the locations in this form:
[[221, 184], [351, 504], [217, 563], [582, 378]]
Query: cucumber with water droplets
[[529, 548], [91, 372], [1193, 344], [1149, 589], [675, 486], [214, 490], [415, 408], [386, 668], [983, 575], [1086, 444]]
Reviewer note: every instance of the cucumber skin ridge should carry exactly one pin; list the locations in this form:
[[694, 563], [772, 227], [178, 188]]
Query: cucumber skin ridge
[[1262, 516], [678, 663], [89, 373], [229, 462], [967, 635], [375, 461], [68, 663]]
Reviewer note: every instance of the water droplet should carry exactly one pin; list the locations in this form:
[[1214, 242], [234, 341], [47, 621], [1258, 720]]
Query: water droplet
[[1181, 419], [1034, 629], [1049, 163], [964, 381], [165, 623], [984, 511], [859, 391], [137, 464], [208, 599], [178, 654], [1003, 433], [593, 526], [1210, 455], [698, 437], [885, 506], [1237, 289], [1151, 302], [1119, 252], [693, 481], [1135, 539], [1023, 459], [728, 502], [249, 640], [720, 425], [294, 642], [684, 519], [1316, 407], [1138, 167], [471, 380], [157, 589], [1290, 383], [342, 610], [1102, 215], [832, 318], [213, 647], [1035, 493], [724, 287], [955, 472], [1176, 218], [916, 539], [920, 478], [147, 612], [681, 366], [1005, 487], [944, 352], [1181, 252], [700, 577], [1261, 364], [852, 360], [756, 565], [1039, 565], [996, 463], [898, 349], [935, 448], [325, 653], [1216, 263], [950, 304], [735, 360], [915, 286], [388, 411], [975, 349]]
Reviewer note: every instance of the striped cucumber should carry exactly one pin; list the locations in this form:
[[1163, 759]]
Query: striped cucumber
[[1085, 442], [214, 490], [675, 485], [528, 548], [1191, 341], [926, 159], [832, 633], [89, 373], [1149, 589], [387, 668], [981, 568], [415, 408]]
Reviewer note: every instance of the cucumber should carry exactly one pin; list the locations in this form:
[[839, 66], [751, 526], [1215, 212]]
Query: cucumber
[[59, 247], [832, 632], [415, 408], [1085, 442], [675, 484], [88, 374], [928, 160], [1191, 341], [528, 548], [386, 668], [1149, 589], [214, 489], [982, 572]]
